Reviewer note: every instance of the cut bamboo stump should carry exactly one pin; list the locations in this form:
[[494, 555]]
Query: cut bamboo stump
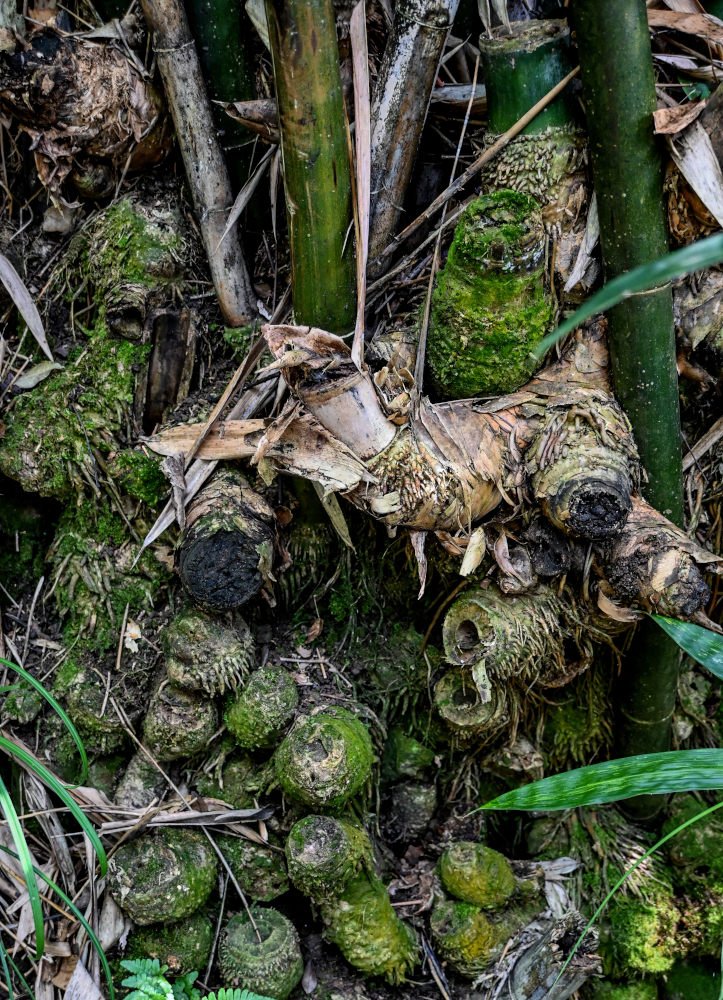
[[225, 553]]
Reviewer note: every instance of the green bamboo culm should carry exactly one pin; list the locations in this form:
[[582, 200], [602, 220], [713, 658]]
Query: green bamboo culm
[[519, 68], [618, 89], [317, 175], [222, 31]]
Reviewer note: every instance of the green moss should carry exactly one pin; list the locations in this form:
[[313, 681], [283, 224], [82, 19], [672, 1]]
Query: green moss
[[405, 757], [489, 306], [23, 704], [126, 244], [258, 716], [640, 990], [577, 729], [700, 844], [50, 432], [325, 759], [241, 783], [691, 981], [139, 475], [162, 875], [642, 935], [362, 923], [183, 946], [263, 956], [259, 870], [476, 874], [93, 562], [465, 938]]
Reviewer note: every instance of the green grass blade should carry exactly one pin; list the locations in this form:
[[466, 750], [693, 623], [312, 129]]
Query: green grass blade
[[702, 644], [6, 970], [26, 985], [674, 265], [78, 916], [647, 774], [626, 875], [58, 709], [56, 786], [16, 831]]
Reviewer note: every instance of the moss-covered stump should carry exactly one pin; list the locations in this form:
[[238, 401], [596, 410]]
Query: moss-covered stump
[[95, 573], [499, 637], [489, 306], [324, 853], [325, 759], [578, 724], [141, 783], [260, 713], [50, 432], [91, 711], [162, 875], [225, 554], [362, 923], [697, 850], [183, 946], [467, 716], [464, 937], [259, 870], [261, 954], [204, 653], [131, 256], [179, 723], [22, 704], [476, 874], [685, 981]]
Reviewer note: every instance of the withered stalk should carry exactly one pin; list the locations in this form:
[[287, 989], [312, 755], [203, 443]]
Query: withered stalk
[[619, 89], [202, 156], [403, 90], [317, 175]]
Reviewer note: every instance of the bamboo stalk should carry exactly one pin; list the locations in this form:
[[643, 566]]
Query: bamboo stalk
[[618, 86], [221, 41], [202, 157], [317, 176], [403, 90]]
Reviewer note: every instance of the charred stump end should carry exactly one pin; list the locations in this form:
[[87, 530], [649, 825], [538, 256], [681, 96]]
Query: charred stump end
[[225, 553]]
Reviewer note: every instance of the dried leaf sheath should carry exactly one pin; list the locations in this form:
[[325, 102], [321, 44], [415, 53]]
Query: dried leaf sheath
[[452, 464]]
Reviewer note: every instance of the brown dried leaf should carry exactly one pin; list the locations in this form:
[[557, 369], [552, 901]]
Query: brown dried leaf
[[707, 27], [668, 121], [615, 611]]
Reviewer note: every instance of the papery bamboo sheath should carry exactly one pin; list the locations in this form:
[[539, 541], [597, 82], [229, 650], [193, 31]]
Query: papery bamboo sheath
[[317, 177], [202, 156]]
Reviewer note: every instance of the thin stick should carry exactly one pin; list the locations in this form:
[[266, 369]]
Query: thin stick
[[473, 169]]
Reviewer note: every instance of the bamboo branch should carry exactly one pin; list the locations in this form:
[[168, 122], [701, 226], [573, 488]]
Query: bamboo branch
[[202, 157]]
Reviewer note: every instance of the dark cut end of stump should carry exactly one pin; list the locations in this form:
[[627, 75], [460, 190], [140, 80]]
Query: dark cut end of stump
[[225, 553], [598, 511]]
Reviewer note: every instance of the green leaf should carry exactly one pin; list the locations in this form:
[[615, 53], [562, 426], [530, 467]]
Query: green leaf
[[55, 786], [6, 971], [58, 709], [702, 644], [674, 265], [16, 831], [78, 916], [647, 774]]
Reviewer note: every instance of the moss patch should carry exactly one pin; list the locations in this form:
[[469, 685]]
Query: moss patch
[[489, 306]]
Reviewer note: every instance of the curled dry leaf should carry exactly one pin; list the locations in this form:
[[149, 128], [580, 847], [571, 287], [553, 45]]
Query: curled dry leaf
[[23, 300]]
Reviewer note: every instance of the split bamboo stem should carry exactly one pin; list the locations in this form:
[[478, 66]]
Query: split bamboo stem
[[618, 86], [403, 90], [202, 156], [317, 175]]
